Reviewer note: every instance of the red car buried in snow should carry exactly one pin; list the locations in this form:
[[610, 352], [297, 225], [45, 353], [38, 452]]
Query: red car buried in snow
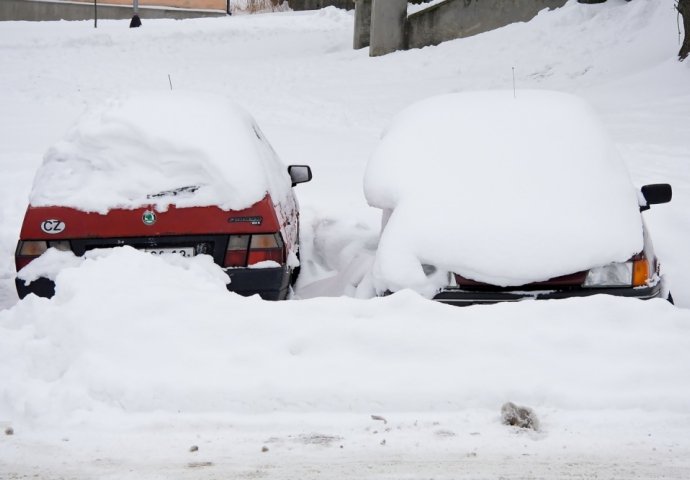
[[174, 174]]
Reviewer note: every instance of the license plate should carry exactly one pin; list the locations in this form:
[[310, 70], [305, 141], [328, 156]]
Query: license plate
[[182, 252]]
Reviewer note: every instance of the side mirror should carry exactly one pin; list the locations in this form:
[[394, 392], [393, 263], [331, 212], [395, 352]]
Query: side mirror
[[655, 194], [299, 174]]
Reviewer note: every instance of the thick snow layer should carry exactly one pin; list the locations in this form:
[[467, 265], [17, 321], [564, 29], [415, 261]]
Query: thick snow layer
[[115, 339], [499, 189], [136, 360], [53, 262], [130, 151]]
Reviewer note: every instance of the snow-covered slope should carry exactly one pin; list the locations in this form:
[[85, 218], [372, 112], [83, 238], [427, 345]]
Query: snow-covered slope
[[136, 360]]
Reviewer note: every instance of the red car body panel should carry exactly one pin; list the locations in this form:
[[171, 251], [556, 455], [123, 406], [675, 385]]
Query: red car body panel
[[259, 218], [173, 227]]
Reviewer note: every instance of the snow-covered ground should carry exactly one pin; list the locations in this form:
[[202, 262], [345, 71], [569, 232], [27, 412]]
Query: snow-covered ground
[[137, 360]]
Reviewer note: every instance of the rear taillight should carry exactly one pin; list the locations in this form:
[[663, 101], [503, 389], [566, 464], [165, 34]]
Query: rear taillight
[[248, 250], [266, 247], [236, 254], [31, 248], [28, 250]]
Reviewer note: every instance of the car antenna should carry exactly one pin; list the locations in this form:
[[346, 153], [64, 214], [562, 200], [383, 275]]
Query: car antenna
[[514, 92], [170, 82]]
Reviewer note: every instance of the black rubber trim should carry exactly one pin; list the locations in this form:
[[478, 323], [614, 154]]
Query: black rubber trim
[[268, 283], [41, 287], [455, 296]]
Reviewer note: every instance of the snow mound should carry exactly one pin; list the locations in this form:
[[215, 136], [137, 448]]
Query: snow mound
[[130, 332], [501, 190], [130, 151]]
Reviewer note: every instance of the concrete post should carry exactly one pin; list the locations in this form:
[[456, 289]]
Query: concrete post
[[362, 23], [387, 26]]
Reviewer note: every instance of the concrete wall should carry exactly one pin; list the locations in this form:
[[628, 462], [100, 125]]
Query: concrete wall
[[462, 18], [36, 10], [317, 4], [387, 26], [362, 23]]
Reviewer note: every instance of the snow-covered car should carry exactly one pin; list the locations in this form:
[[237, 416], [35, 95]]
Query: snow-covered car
[[171, 174], [491, 196]]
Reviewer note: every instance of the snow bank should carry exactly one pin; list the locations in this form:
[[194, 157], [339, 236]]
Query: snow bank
[[129, 332], [125, 153], [501, 190]]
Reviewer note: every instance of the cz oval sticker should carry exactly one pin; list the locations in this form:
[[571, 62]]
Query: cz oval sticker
[[53, 226]]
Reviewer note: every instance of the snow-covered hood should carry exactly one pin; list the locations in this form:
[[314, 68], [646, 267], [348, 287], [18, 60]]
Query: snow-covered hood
[[499, 189], [130, 151]]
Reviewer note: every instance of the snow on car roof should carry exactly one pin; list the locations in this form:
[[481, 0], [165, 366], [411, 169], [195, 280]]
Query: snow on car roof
[[158, 148], [499, 189]]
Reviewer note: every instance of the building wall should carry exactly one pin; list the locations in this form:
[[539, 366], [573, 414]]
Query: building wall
[[34, 10], [194, 4]]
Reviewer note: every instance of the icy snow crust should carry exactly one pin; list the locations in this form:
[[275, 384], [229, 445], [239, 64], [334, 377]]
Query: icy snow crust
[[499, 189], [129, 151]]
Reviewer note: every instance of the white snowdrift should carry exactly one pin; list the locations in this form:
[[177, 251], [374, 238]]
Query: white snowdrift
[[129, 332], [499, 189], [130, 151]]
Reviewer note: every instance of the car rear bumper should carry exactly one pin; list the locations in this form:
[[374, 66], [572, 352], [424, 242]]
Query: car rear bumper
[[268, 283], [42, 287], [456, 296]]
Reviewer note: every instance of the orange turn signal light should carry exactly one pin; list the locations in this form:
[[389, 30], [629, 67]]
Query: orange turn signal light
[[640, 272]]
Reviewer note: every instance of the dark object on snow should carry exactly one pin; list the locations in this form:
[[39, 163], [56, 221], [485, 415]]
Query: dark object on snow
[[380, 418], [193, 448], [264, 449], [684, 10], [516, 416], [136, 21], [317, 4], [9, 431]]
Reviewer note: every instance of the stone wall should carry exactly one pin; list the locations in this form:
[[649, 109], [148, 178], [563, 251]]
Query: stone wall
[[38, 10]]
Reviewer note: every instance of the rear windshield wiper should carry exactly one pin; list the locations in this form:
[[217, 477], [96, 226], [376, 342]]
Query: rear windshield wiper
[[174, 192]]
